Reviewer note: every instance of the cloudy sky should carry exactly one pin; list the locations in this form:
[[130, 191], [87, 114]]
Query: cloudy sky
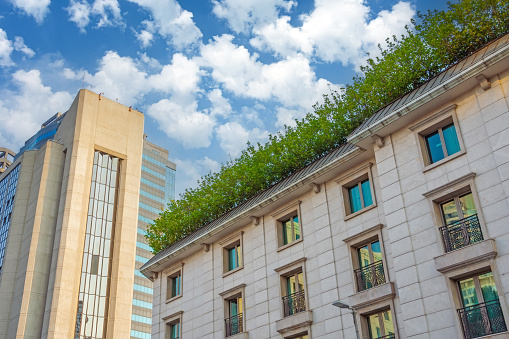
[[208, 74]]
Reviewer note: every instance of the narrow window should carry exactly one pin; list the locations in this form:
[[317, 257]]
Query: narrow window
[[234, 322], [234, 257], [291, 229], [294, 301], [442, 143], [370, 272], [380, 325], [360, 196]]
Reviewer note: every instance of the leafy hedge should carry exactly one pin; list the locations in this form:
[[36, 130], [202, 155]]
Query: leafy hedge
[[440, 39]]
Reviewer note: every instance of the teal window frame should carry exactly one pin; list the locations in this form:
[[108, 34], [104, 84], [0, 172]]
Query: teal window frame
[[360, 195], [442, 143]]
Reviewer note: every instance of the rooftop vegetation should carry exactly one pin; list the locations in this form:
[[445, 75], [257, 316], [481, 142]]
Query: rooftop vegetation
[[436, 40]]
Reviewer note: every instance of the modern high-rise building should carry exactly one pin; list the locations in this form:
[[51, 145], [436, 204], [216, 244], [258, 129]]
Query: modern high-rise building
[[68, 227], [6, 158], [156, 190]]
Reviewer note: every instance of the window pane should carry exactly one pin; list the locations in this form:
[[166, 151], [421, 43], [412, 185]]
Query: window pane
[[238, 254], [468, 205], [434, 145], [287, 231], [355, 199], [240, 304], [488, 288], [388, 326], [290, 285], [231, 259], [366, 193], [468, 293], [374, 326], [450, 212], [296, 227], [451, 139], [300, 278], [377, 252], [363, 256], [233, 307]]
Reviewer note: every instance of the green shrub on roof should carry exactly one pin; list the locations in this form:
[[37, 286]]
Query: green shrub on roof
[[437, 41]]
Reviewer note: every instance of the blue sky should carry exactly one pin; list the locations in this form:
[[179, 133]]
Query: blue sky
[[208, 74]]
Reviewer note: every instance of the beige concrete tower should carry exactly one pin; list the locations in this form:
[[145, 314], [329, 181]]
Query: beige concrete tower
[[71, 229]]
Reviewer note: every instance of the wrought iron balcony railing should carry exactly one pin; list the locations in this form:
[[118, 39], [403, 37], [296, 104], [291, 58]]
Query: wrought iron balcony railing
[[482, 319], [234, 325], [294, 303], [370, 276], [388, 336], [461, 233]]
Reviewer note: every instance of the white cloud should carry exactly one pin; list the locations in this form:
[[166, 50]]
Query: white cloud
[[119, 78], [233, 137], [107, 12], [331, 36], [179, 78], [220, 105], [183, 123], [145, 38], [171, 22], [22, 112], [36, 8], [6, 49], [291, 81], [19, 45], [242, 15], [79, 13]]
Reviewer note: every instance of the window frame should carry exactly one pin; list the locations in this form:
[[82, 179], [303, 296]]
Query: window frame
[[444, 193], [434, 123], [171, 320], [287, 271], [228, 295], [359, 240], [168, 275], [379, 312], [351, 179], [461, 272], [228, 243], [280, 216]]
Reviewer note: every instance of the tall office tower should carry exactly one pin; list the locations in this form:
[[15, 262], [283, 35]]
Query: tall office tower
[[6, 158], [156, 190], [69, 205]]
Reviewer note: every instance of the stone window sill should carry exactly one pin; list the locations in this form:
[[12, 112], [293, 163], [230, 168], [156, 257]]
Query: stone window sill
[[225, 274], [443, 161], [289, 245], [173, 298], [480, 251], [365, 209]]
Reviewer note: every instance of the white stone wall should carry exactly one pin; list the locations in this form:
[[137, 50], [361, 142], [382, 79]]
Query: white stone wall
[[422, 305]]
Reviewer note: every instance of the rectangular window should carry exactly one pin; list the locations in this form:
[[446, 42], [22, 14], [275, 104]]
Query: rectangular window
[[481, 314], [234, 257], [380, 325], [442, 143], [462, 226], [174, 284], [360, 196], [173, 330], [294, 301], [291, 229], [371, 271], [234, 321]]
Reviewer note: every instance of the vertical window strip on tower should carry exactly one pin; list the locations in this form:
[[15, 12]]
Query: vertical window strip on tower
[[7, 191], [93, 298]]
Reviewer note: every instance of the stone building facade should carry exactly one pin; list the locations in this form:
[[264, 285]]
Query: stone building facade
[[68, 227], [407, 224]]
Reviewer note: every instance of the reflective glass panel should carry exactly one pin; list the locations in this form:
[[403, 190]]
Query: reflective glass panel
[[467, 205], [234, 310], [355, 199], [231, 259], [387, 319], [366, 193], [296, 228], [451, 139], [290, 285], [488, 288], [450, 212], [287, 231], [434, 145], [300, 279], [374, 326], [377, 252], [364, 259], [468, 293]]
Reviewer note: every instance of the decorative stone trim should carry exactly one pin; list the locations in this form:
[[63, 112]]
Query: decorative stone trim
[[436, 116], [296, 322], [371, 296], [463, 180], [482, 251]]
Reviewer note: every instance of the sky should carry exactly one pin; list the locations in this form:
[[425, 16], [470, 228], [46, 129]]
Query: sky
[[209, 75]]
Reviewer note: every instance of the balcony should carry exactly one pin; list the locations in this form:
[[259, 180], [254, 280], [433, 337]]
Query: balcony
[[482, 319], [234, 325], [388, 336], [461, 233], [370, 276], [294, 303]]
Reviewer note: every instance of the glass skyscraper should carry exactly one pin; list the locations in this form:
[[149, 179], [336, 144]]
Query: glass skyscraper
[[157, 188]]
